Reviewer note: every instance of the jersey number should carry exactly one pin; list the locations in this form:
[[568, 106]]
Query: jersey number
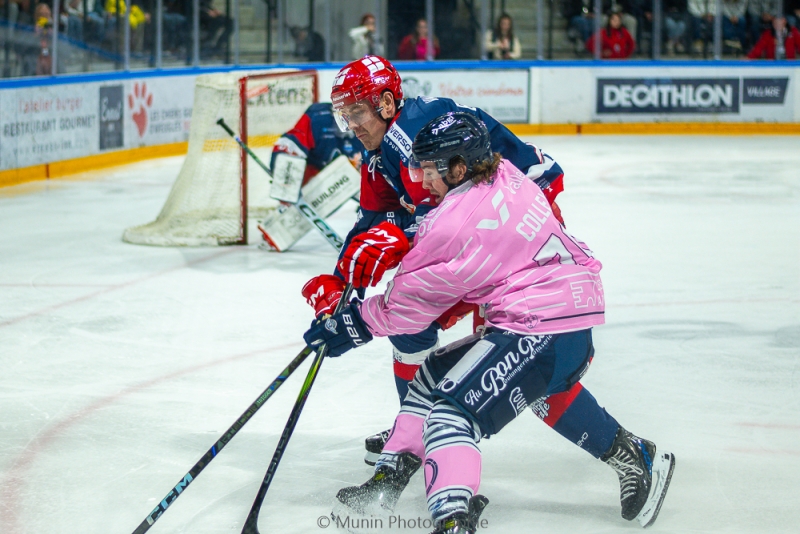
[[553, 251]]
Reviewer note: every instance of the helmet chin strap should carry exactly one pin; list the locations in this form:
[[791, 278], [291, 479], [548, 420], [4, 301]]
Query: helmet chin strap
[[388, 121]]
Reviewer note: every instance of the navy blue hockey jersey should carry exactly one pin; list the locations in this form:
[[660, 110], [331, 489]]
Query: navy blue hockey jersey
[[389, 163], [317, 138]]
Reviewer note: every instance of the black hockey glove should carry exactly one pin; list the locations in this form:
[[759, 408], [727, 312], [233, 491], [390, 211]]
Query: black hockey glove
[[341, 332]]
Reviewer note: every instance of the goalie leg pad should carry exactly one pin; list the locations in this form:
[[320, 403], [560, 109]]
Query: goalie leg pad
[[332, 187], [284, 227], [325, 193]]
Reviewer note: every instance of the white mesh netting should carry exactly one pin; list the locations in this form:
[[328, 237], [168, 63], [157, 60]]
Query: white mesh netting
[[204, 205]]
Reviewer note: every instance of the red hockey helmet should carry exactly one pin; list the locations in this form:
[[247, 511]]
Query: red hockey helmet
[[364, 79]]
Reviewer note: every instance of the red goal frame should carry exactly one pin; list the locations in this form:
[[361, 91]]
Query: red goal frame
[[243, 131]]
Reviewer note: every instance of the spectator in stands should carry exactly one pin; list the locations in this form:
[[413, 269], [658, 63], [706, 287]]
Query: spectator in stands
[[792, 8], [364, 39], [26, 44], [778, 42], [676, 21], [501, 43], [580, 15], [137, 17], [72, 19], [43, 28], [642, 33], [174, 26], [629, 14], [218, 27], [702, 14], [18, 13], [415, 45], [759, 17], [309, 45], [616, 41], [734, 24]]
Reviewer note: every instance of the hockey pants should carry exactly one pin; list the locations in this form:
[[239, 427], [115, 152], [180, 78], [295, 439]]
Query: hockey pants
[[446, 431]]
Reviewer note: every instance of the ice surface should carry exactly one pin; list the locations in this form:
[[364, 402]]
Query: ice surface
[[122, 364]]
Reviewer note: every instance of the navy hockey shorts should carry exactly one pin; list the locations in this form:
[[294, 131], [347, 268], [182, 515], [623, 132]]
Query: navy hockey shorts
[[494, 378]]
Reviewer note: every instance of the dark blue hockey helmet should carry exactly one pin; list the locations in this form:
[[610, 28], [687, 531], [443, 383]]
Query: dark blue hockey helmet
[[453, 134]]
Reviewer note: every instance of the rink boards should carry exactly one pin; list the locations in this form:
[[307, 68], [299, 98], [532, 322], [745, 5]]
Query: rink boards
[[57, 126]]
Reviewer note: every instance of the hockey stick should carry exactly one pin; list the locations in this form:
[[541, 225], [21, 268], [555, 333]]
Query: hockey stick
[[187, 479], [307, 211], [251, 524]]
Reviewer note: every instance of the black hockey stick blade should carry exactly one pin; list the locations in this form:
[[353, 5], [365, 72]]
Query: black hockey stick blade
[[189, 477], [251, 524]]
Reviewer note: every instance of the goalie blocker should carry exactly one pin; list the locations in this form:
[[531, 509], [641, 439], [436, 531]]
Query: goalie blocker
[[325, 193]]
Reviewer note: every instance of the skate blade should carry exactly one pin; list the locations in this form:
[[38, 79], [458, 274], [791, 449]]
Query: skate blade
[[371, 458], [346, 519], [663, 466]]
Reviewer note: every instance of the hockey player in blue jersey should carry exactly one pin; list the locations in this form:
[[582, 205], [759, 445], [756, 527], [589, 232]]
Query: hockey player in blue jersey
[[310, 159], [317, 138], [367, 99]]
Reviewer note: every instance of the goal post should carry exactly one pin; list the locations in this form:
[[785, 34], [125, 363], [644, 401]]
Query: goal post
[[216, 191]]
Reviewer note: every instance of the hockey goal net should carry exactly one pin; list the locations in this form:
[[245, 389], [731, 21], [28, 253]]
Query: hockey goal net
[[217, 188]]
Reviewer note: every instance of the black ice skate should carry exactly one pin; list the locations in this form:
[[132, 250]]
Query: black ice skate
[[461, 523], [374, 445], [644, 476], [382, 491]]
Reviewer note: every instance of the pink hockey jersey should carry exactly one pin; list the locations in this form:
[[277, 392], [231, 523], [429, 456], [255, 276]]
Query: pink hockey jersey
[[498, 245]]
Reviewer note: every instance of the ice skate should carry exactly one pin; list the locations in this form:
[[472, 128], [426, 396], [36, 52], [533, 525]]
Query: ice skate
[[461, 523], [374, 445], [381, 492], [644, 476]]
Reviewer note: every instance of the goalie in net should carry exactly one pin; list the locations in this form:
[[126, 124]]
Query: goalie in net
[[216, 191], [314, 159]]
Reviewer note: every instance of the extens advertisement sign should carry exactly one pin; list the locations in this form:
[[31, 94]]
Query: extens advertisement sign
[[740, 97], [58, 122], [501, 93]]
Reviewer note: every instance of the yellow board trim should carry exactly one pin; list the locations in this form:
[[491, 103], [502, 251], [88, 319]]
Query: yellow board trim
[[20, 176], [58, 169]]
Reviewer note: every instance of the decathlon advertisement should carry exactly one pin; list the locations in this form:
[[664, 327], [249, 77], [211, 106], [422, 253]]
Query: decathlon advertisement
[[735, 95], [665, 94]]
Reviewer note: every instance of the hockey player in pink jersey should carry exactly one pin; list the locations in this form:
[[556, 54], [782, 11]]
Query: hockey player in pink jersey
[[493, 241]]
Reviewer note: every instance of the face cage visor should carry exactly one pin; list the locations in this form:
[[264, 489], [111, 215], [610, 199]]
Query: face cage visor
[[354, 115], [427, 171]]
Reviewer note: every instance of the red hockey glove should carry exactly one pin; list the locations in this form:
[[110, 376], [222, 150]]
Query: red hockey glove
[[557, 213], [372, 253], [323, 293], [457, 312]]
